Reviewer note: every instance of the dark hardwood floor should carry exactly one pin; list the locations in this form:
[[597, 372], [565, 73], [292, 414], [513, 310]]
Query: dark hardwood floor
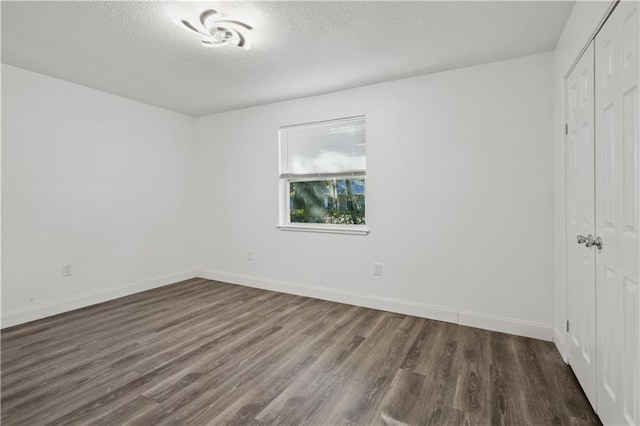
[[203, 352]]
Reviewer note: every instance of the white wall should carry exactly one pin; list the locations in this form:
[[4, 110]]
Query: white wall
[[93, 180], [580, 27], [459, 199]]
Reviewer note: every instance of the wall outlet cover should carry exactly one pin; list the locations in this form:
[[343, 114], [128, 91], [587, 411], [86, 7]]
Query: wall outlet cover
[[67, 270]]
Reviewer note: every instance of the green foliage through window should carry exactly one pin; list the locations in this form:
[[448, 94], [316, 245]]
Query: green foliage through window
[[334, 201]]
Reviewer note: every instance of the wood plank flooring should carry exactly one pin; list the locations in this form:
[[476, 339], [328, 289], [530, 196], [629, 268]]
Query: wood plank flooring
[[203, 352]]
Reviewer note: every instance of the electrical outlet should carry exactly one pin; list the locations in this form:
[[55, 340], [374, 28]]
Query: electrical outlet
[[249, 255], [377, 269], [67, 270]]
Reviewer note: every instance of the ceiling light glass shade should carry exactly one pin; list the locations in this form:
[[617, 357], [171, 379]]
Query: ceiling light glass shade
[[217, 30], [220, 35]]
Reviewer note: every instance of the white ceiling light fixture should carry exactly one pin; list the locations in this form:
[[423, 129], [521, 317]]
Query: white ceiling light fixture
[[219, 30]]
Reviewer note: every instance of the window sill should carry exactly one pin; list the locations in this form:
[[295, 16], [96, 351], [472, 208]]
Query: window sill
[[350, 230]]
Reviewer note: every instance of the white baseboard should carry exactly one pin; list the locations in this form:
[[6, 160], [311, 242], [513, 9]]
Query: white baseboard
[[55, 307], [506, 325], [441, 313], [560, 339], [406, 307], [374, 302]]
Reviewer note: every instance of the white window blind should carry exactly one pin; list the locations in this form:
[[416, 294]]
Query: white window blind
[[330, 147]]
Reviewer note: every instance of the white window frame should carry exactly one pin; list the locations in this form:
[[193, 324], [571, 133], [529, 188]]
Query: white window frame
[[285, 223]]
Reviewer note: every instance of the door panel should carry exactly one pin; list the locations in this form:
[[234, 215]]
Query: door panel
[[581, 211], [617, 206], [631, 355]]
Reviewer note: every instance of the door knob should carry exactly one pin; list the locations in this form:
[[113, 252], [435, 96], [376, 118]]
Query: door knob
[[597, 242], [589, 241]]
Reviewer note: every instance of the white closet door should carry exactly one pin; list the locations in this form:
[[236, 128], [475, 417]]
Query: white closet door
[[581, 222], [617, 217]]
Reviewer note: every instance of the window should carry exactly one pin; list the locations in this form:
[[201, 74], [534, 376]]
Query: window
[[323, 176]]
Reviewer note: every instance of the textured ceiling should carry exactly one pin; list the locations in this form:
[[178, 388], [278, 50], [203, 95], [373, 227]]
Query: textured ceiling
[[136, 49]]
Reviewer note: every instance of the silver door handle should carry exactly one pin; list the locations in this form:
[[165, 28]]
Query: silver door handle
[[597, 242], [589, 241]]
